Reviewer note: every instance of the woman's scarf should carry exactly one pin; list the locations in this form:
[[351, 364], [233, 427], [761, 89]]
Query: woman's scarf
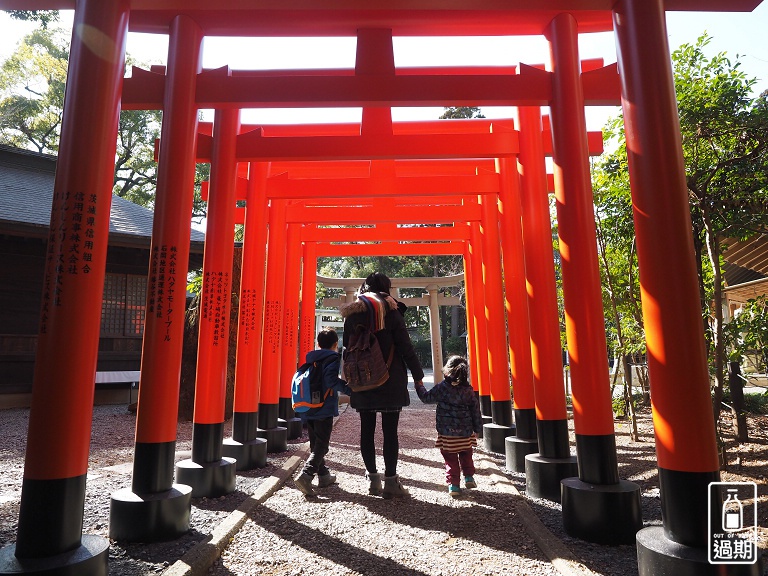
[[377, 307]]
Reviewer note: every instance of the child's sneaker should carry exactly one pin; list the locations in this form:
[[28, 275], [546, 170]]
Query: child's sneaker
[[326, 480], [469, 482], [454, 490], [304, 483]]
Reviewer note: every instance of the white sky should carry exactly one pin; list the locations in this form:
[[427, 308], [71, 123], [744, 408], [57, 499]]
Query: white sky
[[734, 33]]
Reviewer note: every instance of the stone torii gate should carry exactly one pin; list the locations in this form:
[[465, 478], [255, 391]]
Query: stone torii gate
[[53, 492], [431, 298]]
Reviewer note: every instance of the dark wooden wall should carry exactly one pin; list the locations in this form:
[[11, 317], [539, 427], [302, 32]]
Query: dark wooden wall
[[22, 264]]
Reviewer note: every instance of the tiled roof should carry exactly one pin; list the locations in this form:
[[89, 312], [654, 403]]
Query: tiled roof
[[26, 194]]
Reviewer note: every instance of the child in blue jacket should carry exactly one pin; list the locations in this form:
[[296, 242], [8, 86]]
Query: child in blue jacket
[[320, 420], [457, 420]]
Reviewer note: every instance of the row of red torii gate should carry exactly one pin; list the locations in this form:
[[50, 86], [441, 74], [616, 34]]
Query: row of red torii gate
[[477, 188]]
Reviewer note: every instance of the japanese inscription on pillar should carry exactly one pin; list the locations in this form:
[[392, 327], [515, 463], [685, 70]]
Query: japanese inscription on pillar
[[215, 304], [248, 314], [272, 314], [162, 285], [70, 246]]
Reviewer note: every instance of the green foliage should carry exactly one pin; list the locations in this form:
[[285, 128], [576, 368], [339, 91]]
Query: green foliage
[[726, 161], [726, 155], [416, 318], [135, 166], [755, 403], [32, 87], [455, 345], [619, 404], [45, 17], [424, 352], [199, 207], [461, 112], [32, 82], [747, 333], [724, 141], [616, 245], [195, 282]]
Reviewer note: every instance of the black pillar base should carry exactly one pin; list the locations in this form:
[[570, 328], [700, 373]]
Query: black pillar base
[[277, 438], [525, 422], [485, 404], [293, 425], [601, 513], [494, 435], [543, 475], [249, 455], [516, 449], [501, 412], [153, 517], [209, 479], [657, 556], [267, 415], [90, 559]]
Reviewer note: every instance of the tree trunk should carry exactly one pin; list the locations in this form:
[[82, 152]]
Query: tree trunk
[[629, 408], [633, 435], [189, 361], [736, 384], [713, 251]]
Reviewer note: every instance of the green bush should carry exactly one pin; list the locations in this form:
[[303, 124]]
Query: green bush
[[451, 346], [424, 352], [620, 405], [455, 345], [756, 403], [753, 403]]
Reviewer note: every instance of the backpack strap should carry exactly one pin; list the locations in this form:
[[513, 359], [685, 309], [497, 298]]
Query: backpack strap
[[391, 355], [321, 364], [359, 329]]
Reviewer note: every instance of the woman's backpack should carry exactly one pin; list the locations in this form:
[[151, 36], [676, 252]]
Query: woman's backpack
[[363, 362]]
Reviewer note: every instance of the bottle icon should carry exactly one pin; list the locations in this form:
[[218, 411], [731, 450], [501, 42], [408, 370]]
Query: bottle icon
[[733, 512]]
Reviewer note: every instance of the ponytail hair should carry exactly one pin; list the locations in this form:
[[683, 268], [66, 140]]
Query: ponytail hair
[[376, 282], [456, 369]]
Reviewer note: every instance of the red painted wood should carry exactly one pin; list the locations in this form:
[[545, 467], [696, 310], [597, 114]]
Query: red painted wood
[[68, 341], [163, 343]]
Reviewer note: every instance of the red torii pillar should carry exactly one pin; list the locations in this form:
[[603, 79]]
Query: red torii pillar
[[553, 462], [494, 325], [682, 410], [477, 293], [154, 508], [524, 441], [474, 369], [308, 296], [53, 489], [597, 506], [245, 446], [290, 325], [207, 471], [276, 436]]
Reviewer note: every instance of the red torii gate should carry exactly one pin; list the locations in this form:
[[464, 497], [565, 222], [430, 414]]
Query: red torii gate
[[62, 394], [560, 470], [382, 186]]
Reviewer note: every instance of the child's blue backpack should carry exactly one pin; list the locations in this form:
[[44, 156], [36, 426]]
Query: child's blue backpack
[[307, 387]]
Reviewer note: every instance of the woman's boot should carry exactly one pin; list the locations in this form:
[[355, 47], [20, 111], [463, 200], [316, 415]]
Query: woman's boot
[[393, 487], [374, 486]]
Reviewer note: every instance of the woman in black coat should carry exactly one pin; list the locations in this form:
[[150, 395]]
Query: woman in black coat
[[389, 398]]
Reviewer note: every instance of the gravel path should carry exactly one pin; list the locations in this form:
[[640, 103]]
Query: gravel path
[[490, 530], [268, 527]]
